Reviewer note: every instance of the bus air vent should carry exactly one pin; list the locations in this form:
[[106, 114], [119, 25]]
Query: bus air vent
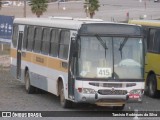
[[112, 92]]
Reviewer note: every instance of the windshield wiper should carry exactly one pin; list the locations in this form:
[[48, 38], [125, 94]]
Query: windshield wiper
[[102, 43], [122, 45]]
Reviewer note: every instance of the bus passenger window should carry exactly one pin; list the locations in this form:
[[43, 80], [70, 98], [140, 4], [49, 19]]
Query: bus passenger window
[[157, 41], [25, 37], [64, 44], [30, 38], [45, 41], [15, 35], [38, 39], [54, 43], [151, 39]]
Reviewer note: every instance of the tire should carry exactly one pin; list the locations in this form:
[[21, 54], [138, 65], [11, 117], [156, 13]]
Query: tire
[[29, 88], [119, 107], [152, 86], [146, 89], [64, 103]]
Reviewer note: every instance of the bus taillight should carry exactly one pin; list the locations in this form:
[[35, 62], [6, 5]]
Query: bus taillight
[[80, 90]]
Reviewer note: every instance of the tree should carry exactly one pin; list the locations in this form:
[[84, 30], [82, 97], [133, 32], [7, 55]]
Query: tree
[[38, 7], [91, 6]]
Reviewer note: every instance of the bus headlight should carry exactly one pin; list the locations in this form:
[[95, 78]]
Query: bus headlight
[[88, 91], [136, 91], [136, 94]]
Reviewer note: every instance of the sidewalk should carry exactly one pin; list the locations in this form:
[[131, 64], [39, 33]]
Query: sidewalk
[[4, 61]]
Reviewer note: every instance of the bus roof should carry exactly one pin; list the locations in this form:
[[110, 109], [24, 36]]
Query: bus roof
[[145, 22], [48, 22], [54, 22], [62, 23]]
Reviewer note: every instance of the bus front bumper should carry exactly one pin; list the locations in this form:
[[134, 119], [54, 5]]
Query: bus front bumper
[[101, 100], [107, 100]]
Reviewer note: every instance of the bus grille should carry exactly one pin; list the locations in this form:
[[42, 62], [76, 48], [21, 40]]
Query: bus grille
[[110, 85], [112, 92]]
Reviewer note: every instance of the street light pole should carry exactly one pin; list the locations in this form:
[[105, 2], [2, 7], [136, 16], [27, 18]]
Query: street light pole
[[64, 7], [24, 14]]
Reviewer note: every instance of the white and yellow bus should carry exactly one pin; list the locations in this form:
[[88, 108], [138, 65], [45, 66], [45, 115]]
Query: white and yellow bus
[[79, 60], [152, 66]]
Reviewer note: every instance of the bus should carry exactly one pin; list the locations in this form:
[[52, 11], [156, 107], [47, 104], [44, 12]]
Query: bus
[[152, 69], [79, 60]]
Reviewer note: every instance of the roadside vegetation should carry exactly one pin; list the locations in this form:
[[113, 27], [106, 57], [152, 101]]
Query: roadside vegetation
[[91, 6], [38, 7]]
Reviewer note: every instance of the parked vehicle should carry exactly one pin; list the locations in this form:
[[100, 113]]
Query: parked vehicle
[[80, 60], [152, 69]]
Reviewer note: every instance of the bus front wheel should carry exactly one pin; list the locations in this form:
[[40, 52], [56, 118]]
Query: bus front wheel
[[152, 86], [64, 103], [29, 88]]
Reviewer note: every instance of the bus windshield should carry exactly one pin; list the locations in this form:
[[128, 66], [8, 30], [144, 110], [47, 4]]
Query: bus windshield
[[110, 57]]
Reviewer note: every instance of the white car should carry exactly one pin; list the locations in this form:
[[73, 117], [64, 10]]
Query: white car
[[6, 3], [156, 0]]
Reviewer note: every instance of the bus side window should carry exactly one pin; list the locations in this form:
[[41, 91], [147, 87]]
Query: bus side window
[[15, 35], [30, 38], [45, 41], [25, 38], [38, 39], [151, 39], [54, 42], [157, 41], [64, 44]]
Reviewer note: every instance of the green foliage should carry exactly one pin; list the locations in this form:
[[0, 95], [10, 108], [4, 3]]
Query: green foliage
[[91, 6], [39, 6]]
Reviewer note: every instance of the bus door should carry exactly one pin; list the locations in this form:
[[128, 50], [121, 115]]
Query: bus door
[[72, 65], [19, 50]]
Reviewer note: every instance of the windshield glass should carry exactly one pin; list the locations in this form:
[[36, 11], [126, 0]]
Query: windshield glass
[[110, 57]]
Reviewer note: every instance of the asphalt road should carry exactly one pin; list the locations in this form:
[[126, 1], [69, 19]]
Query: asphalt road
[[13, 97], [110, 10]]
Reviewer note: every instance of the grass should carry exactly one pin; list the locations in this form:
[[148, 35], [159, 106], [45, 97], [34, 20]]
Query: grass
[[6, 49]]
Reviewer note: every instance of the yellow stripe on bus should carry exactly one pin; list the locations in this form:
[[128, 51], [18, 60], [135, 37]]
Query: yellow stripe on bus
[[145, 23], [46, 61]]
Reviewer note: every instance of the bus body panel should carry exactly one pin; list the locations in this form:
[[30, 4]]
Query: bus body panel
[[45, 70], [43, 77], [153, 66]]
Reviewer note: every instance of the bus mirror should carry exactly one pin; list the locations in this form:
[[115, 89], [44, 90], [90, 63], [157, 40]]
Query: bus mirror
[[73, 38], [74, 47]]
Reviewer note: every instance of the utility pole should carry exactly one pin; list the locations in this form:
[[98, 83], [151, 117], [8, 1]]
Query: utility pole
[[24, 14]]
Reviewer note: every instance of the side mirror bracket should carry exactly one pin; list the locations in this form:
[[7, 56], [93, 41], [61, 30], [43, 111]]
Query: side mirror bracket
[[74, 47]]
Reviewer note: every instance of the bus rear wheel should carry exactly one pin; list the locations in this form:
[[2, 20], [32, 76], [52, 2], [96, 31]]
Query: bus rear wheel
[[152, 86], [29, 88], [64, 103]]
